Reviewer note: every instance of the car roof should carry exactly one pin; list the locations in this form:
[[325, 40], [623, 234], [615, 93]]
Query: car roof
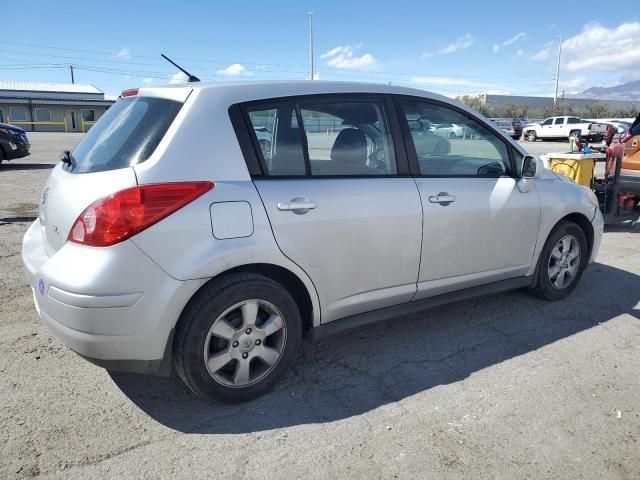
[[242, 91]]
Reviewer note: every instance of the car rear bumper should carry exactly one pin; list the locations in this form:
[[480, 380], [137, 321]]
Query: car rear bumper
[[113, 306]]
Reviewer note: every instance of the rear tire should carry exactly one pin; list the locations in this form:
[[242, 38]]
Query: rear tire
[[562, 262], [237, 338], [531, 136]]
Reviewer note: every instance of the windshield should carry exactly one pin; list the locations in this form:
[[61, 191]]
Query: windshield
[[127, 134]]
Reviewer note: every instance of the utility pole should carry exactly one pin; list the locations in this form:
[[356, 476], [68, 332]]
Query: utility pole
[[73, 80], [555, 95], [310, 15]]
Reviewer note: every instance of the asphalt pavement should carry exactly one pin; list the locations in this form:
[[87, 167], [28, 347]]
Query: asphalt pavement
[[502, 387]]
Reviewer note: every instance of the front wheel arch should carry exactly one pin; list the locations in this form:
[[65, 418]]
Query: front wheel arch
[[585, 225]]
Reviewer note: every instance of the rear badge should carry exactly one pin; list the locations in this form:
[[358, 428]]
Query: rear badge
[[41, 286]]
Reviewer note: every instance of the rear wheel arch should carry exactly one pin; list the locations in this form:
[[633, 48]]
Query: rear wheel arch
[[289, 280]]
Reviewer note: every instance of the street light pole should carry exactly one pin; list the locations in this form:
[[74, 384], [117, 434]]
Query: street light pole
[[555, 95], [310, 15]]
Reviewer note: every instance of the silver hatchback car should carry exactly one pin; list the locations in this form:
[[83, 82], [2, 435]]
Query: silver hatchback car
[[207, 228]]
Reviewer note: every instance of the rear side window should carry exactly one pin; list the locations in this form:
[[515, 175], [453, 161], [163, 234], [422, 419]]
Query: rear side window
[[326, 136], [127, 134]]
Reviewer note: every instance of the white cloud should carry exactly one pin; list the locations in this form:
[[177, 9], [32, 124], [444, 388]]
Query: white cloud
[[147, 80], [124, 53], [519, 53], [548, 49], [178, 77], [235, 70], [574, 85], [345, 57], [460, 44], [599, 48], [427, 55], [509, 41]]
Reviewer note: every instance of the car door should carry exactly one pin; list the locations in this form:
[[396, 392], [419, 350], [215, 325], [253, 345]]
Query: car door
[[478, 226], [558, 129], [340, 200], [547, 128]]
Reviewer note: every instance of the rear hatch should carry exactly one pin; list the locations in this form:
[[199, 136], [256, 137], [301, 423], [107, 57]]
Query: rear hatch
[[102, 163]]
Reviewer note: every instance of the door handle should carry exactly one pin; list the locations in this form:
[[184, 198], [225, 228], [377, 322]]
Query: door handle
[[443, 198], [297, 205]]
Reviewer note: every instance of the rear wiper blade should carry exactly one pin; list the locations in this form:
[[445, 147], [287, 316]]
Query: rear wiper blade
[[67, 158]]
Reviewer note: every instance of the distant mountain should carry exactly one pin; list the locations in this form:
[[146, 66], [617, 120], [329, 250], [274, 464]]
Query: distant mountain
[[626, 91]]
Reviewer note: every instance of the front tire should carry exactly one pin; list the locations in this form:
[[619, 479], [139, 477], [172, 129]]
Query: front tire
[[562, 262], [237, 338]]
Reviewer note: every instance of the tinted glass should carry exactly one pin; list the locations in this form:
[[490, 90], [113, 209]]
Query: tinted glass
[[558, 121], [277, 133], [548, 122], [467, 149], [573, 120], [348, 138], [127, 134]]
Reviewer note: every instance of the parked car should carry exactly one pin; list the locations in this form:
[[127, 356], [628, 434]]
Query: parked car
[[565, 127], [265, 139], [448, 130], [513, 128], [175, 245], [13, 142]]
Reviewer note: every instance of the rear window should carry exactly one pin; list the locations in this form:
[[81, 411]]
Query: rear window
[[127, 134]]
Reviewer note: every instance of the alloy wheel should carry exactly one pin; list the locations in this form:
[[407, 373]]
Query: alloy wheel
[[564, 262], [245, 343]]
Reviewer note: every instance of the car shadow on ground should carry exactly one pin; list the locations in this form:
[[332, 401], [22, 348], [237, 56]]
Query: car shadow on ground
[[25, 166], [370, 367]]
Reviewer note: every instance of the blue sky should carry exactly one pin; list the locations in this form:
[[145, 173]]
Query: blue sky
[[450, 47]]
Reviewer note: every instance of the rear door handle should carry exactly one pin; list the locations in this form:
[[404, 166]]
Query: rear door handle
[[443, 198], [297, 205]]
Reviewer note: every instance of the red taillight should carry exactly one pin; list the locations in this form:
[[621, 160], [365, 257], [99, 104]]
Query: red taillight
[[121, 215], [130, 92]]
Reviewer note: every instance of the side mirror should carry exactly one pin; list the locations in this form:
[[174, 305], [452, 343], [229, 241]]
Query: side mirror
[[532, 167]]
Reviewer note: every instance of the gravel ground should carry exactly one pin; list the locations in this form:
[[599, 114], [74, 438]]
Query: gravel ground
[[501, 387]]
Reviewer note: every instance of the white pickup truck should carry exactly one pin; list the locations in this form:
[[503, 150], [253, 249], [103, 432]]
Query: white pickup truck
[[564, 127]]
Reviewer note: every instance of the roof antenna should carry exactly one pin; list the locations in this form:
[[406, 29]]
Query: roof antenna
[[190, 78]]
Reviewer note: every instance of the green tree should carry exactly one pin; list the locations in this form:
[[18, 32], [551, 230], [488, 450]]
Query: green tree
[[558, 110], [596, 110]]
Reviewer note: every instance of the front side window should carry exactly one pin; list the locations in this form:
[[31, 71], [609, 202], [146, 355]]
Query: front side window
[[43, 115], [548, 122], [341, 137], [18, 114], [469, 149]]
